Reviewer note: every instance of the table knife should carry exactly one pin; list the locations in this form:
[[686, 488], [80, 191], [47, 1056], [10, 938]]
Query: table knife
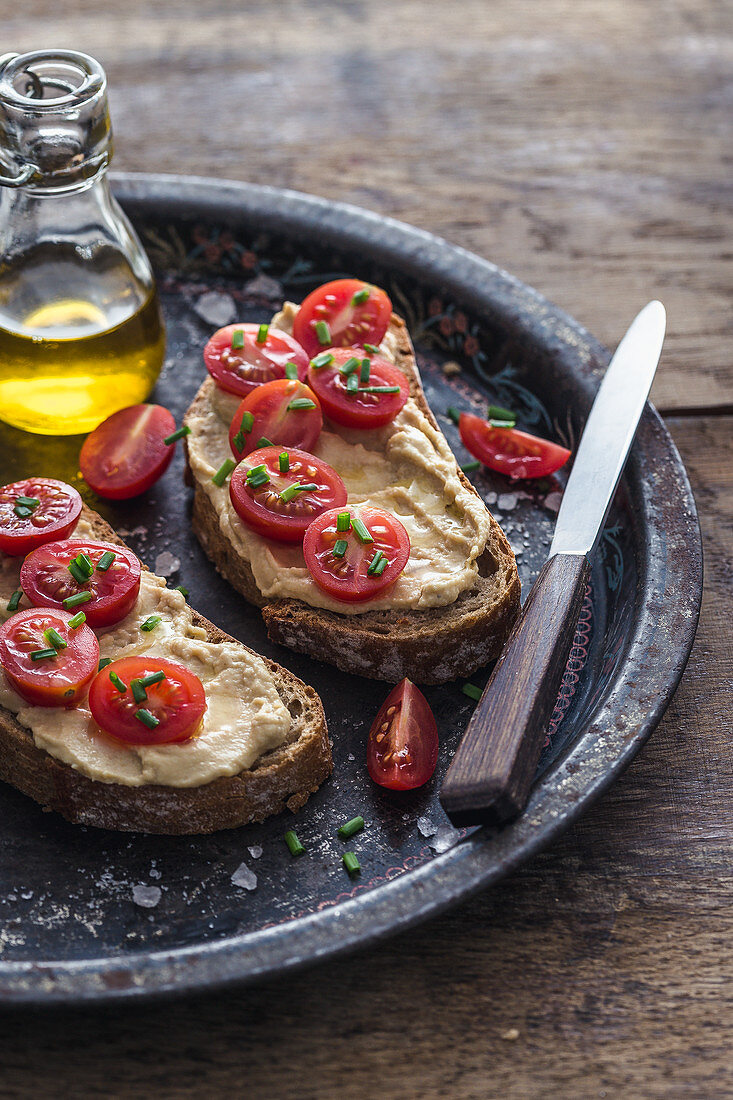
[[491, 773]]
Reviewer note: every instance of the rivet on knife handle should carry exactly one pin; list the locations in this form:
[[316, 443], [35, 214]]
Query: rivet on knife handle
[[492, 771]]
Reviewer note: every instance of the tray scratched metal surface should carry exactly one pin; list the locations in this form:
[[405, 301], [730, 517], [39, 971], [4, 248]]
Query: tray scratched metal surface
[[86, 914]]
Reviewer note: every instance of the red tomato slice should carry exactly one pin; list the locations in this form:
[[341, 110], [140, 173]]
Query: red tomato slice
[[402, 749], [57, 681], [285, 412], [359, 408], [509, 451], [348, 321], [177, 702], [126, 454], [240, 370], [346, 576], [262, 508], [47, 582], [53, 517]]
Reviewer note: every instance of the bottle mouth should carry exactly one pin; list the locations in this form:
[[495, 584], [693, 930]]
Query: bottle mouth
[[50, 80]]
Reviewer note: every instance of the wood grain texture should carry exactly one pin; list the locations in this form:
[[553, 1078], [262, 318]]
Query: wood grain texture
[[586, 147]]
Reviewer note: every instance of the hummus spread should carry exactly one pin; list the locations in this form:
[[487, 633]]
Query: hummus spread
[[245, 717], [405, 468]]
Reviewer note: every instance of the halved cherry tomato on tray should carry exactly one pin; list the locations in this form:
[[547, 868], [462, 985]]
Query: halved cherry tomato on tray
[[402, 749], [34, 511], [352, 311], [132, 702], [48, 581], [240, 363], [286, 412], [359, 561], [356, 397], [280, 498], [511, 452], [55, 677], [126, 454]]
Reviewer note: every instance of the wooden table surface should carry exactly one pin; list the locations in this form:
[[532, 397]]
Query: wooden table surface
[[585, 145]]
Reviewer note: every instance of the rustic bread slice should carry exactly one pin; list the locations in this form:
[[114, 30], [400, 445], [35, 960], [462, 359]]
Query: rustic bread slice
[[283, 777], [429, 646]]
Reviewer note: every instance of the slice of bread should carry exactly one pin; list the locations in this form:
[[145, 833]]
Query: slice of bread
[[429, 646], [283, 777]]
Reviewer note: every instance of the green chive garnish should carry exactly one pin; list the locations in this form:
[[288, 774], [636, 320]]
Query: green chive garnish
[[343, 521], [379, 389], [350, 365], [237, 339], [284, 460], [103, 663], [351, 827], [262, 332], [84, 563], [453, 413], [76, 599], [21, 511], [28, 502], [53, 638], [247, 422], [263, 441], [147, 718], [139, 693], [495, 412], [352, 384], [291, 371], [116, 682], [77, 573], [351, 863], [470, 467], [223, 472], [322, 360], [257, 480], [182, 589], [42, 654], [372, 349], [289, 492], [152, 678], [177, 434], [296, 848], [340, 547], [324, 334], [302, 403], [150, 623], [361, 296], [378, 564], [360, 530], [105, 561], [364, 372], [255, 471], [15, 599], [238, 441], [472, 691]]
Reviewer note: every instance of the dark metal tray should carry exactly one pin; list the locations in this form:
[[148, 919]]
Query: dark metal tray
[[70, 926]]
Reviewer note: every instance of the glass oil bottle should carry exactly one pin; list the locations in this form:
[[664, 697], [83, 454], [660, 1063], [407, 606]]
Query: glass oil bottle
[[81, 333]]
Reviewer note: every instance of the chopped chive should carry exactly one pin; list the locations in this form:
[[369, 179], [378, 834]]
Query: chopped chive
[[379, 389], [289, 492], [105, 561], [361, 296], [351, 364], [364, 372], [22, 511], [117, 682], [147, 718], [352, 384], [324, 334], [77, 620], [84, 562], [302, 403], [139, 693], [237, 339], [150, 623], [291, 370], [472, 691], [469, 467], [322, 360], [284, 460], [374, 563], [351, 827], [372, 349], [182, 589], [76, 599], [238, 441], [291, 839], [263, 441], [340, 547], [380, 567], [42, 654], [103, 663], [351, 863], [343, 521], [360, 530], [76, 572], [28, 502], [177, 434], [259, 469], [53, 638], [152, 678], [262, 332], [258, 480], [503, 423], [453, 413], [495, 412], [223, 472], [15, 599], [247, 424]]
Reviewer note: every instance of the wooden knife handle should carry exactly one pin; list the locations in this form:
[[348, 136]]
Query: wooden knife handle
[[492, 771]]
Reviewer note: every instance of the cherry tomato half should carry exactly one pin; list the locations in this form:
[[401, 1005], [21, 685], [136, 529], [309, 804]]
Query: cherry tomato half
[[260, 503], [343, 571], [47, 582], [58, 680], [359, 406], [353, 312], [51, 512], [126, 454], [286, 412], [402, 749], [176, 702], [511, 452], [241, 369]]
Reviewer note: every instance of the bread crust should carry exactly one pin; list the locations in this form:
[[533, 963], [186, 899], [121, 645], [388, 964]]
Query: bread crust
[[429, 646], [282, 778]]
